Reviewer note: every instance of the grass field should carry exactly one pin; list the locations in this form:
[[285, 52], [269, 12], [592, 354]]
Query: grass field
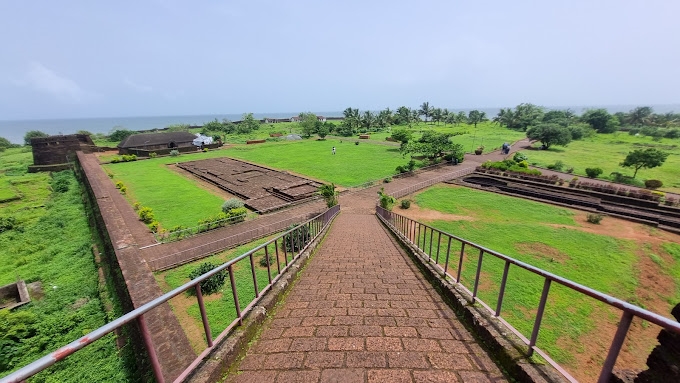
[[51, 243], [552, 238], [152, 183], [606, 151], [220, 307]]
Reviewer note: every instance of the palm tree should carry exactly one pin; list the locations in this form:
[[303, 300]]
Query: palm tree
[[368, 120], [640, 115], [461, 117], [415, 117], [475, 117], [437, 115], [352, 118], [403, 115], [425, 110]]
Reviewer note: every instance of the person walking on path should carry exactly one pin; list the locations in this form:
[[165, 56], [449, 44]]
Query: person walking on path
[[334, 150]]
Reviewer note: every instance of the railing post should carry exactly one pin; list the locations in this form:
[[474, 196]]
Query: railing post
[[278, 263], [539, 316], [204, 316], [501, 292], [429, 254], [460, 261], [614, 349], [446, 263], [233, 291], [266, 255], [252, 270], [479, 270], [439, 244], [418, 238], [155, 364]]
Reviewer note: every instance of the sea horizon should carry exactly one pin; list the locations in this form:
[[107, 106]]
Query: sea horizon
[[14, 130]]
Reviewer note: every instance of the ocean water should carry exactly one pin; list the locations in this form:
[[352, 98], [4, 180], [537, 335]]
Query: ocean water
[[15, 130]]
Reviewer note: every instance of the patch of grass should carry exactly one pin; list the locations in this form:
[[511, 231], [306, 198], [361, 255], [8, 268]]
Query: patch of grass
[[606, 151], [525, 231], [52, 246], [352, 165]]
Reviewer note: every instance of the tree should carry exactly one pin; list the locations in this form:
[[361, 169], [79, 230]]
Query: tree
[[4, 144], [33, 134], [521, 118], [351, 121], [437, 115], [212, 126], [640, 116], [550, 134], [475, 117], [120, 134], [425, 110], [322, 130], [644, 158], [248, 124], [461, 118], [402, 116], [601, 120], [308, 124], [329, 194], [368, 120], [402, 135], [433, 145]]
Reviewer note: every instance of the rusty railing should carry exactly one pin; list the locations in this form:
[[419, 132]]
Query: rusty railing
[[441, 250], [285, 249]]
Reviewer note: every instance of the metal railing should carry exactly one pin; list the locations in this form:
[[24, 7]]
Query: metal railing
[[441, 253], [421, 185], [176, 235], [285, 249], [197, 252]]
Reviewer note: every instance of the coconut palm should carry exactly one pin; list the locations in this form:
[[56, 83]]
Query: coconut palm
[[425, 110]]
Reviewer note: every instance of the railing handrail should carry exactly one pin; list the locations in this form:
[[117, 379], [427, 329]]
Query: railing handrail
[[53, 357], [629, 310]]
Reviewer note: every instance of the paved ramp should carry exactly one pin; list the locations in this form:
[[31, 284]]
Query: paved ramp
[[362, 312]]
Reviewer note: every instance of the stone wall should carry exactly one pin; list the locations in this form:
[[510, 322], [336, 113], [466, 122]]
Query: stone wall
[[55, 150]]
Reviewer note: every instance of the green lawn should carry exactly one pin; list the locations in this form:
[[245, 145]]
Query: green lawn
[[51, 244], [606, 151], [526, 230]]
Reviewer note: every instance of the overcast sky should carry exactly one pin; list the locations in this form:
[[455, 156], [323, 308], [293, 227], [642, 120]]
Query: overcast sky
[[71, 59]]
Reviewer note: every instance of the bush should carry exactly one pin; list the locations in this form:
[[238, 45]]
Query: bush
[[594, 218], [297, 239], [356, 143], [136, 206], [231, 203], [237, 215], [593, 172], [206, 150], [386, 200], [387, 180], [405, 204], [146, 215], [570, 170], [153, 155], [673, 133], [263, 260], [519, 157], [174, 153], [558, 165], [633, 131], [653, 184], [61, 181], [129, 158], [211, 285], [154, 226], [523, 164], [115, 160], [7, 223]]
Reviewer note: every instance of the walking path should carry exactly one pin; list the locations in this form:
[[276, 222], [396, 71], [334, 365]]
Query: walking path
[[362, 312]]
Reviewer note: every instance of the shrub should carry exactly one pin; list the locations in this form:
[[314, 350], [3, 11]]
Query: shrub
[[673, 133], [570, 170], [523, 164], [329, 194], [205, 150], [154, 226], [405, 204], [593, 172], [174, 153], [128, 158], [387, 180], [356, 143], [210, 285], [237, 215], [386, 200], [519, 157], [297, 239], [594, 218], [231, 203], [633, 131], [153, 155], [60, 182], [653, 184], [115, 160], [558, 165], [7, 223], [263, 260], [146, 215], [136, 206]]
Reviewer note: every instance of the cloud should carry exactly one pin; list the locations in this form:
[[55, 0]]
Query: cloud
[[137, 87], [47, 81]]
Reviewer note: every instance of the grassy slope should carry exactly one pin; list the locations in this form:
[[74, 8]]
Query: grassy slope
[[71, 306], [606, 151], [506, 224]]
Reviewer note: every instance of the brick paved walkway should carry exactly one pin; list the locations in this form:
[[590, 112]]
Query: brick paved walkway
[[362, 312]]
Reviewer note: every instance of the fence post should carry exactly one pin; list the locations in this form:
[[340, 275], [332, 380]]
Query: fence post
[[235, 294], [614, 349], [155, 364], [539, 316], [204, 316]]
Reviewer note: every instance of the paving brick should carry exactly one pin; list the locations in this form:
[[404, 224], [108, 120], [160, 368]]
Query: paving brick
[[366, 359], [298, 376], [365, 331], [298, 331], [383, 344], [437, 376], [253, 362], [476, 377], [272, 345], [419, 344], [316, 321], [342, 375], [455, 346], [308, 344], [332, 331], [402, 332], [303, 313], [348, 320], [447, 361], [389, 375], [254, 376], [325, 359], [345, 344], [434, 333], [283, 361], [407, 359]]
